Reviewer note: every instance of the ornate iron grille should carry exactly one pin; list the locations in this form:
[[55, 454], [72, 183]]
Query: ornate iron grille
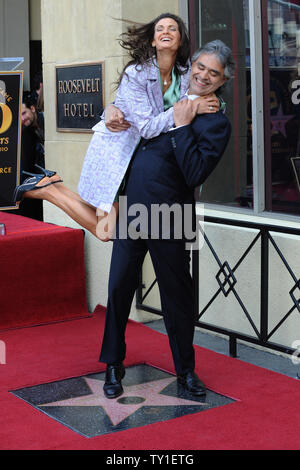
[[227, 282]]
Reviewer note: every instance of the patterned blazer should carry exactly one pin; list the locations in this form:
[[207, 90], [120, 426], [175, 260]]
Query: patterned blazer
[[140, 98]]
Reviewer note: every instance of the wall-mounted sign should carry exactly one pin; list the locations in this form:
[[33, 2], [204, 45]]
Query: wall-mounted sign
[[79, 96], [11, 85]]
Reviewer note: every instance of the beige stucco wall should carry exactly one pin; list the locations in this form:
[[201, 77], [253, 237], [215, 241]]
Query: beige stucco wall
[[14, 33], [78, 31], [35, 30]]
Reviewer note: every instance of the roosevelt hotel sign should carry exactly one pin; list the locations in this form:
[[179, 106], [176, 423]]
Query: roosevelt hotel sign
[[79, 96]]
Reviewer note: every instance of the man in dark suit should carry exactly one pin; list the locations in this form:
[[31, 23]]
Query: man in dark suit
[[164, 171]]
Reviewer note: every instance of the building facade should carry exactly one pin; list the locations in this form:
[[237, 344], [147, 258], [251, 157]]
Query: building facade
[[249, 267]]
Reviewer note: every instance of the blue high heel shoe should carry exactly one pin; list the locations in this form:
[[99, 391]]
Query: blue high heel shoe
[[45, 172], [30, 184]]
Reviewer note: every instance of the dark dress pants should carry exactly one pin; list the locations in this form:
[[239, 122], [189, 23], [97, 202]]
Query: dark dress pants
[[171, 262]]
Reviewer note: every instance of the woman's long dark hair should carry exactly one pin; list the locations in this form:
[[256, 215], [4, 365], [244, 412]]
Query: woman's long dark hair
[[138, 42]]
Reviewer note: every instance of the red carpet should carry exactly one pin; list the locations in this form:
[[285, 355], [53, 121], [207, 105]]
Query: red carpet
[[42, 273], [263, 417]]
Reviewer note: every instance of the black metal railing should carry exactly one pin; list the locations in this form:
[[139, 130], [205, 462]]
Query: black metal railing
[[227, 281]]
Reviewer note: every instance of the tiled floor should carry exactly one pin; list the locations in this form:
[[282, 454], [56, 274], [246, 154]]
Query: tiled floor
[[263, 358]]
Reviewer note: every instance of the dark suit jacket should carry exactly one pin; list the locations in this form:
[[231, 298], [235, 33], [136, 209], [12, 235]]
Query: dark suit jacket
[[167, 168]]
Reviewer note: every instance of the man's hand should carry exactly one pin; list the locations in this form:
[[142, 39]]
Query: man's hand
[[184, 112], [114, 119], [207, 104]]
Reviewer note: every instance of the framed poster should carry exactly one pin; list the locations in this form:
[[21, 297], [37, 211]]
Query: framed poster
[[11, 86]]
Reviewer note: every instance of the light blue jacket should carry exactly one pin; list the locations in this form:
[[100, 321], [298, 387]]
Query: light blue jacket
[[140, 98]]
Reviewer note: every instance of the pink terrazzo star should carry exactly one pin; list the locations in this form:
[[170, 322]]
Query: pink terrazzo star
[[146, 394], [279, 121]]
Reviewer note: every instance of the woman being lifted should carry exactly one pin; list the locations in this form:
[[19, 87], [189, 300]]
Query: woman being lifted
[[155, 78]]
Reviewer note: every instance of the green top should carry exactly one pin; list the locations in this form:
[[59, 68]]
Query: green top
[[172, 94]]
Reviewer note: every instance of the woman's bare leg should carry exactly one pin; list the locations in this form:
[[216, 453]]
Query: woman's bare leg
[[100, 225], [107, 222], [65, 189]]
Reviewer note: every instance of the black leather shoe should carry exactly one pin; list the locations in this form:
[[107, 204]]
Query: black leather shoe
[[114, 374], [192, 384]]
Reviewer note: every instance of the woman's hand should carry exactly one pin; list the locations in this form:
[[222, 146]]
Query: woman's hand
[[207, 104], [114, 119]]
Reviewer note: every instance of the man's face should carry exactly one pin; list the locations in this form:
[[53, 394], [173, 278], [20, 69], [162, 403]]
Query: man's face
[[207, 75], [27, 115]]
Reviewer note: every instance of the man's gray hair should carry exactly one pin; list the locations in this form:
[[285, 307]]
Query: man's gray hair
[[223, 54]]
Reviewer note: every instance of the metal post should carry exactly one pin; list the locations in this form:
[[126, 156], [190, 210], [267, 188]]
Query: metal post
[[264, 294], [232, 346], [195, 276], [257, 101]]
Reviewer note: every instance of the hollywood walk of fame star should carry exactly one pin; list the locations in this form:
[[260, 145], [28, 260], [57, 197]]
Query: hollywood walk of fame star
[[134, 397], [279, 121]]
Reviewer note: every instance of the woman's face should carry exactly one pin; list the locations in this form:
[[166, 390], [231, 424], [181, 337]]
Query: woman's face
[[166, 35]]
